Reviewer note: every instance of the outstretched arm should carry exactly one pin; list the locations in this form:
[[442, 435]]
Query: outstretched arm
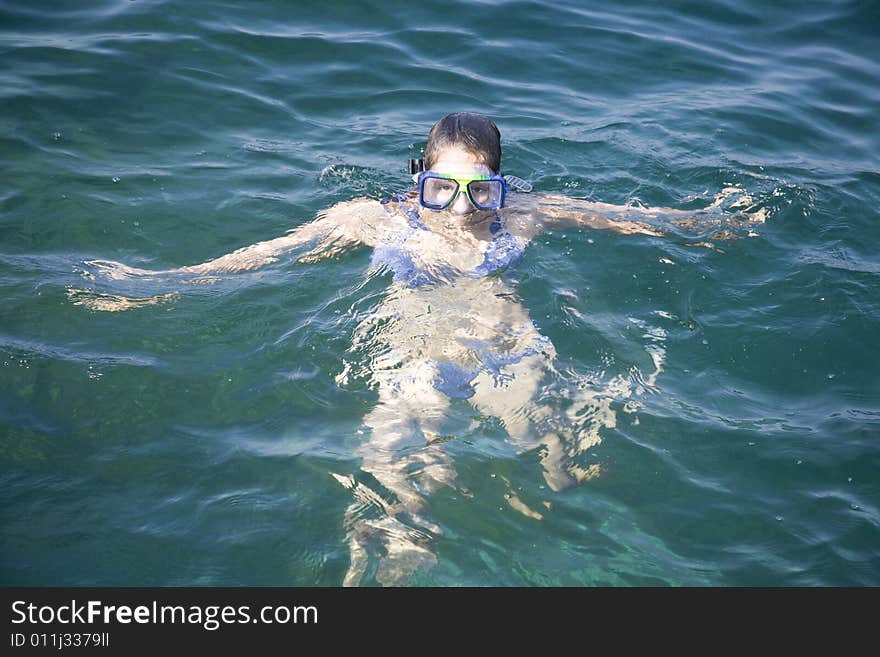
[[340, 227], [256, 255], [732, 211], [563, 212]]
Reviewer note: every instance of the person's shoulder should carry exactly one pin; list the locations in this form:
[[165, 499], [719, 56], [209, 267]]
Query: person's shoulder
[[403, 204], [404, 196]]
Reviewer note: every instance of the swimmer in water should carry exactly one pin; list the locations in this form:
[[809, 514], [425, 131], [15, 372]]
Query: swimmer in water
[[449, 328]]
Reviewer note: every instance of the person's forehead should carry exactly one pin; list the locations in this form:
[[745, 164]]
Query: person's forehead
[[459, 157]]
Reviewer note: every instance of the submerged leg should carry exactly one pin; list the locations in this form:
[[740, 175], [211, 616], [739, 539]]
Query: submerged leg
[[402, 451], [564, 417], [402, 454], [513, 397]]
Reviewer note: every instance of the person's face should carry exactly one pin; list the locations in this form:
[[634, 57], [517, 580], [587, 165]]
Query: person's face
[[459, 161]]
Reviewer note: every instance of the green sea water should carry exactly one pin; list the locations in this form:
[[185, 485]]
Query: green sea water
[[163, 433]]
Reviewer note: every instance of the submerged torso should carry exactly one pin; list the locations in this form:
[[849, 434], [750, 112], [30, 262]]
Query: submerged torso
[[421, 250], [449, 307]]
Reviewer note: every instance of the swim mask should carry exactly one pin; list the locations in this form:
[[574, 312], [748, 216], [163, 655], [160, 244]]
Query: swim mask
[[417, 167], [437, 191]]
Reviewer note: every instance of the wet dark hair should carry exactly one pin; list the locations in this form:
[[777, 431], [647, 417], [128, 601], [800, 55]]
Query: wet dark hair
[[474, 133]]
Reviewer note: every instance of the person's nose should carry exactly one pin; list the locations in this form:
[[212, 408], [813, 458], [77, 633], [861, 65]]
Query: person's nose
[[462, 205]]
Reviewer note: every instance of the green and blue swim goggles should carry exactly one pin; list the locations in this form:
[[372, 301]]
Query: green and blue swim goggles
[[438, 191]]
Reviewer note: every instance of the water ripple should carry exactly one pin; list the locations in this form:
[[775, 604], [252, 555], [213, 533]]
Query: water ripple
[[733, 402], [29, 347]]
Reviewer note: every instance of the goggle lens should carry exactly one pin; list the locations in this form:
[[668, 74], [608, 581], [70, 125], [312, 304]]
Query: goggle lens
[[438, 192], [486, 194]]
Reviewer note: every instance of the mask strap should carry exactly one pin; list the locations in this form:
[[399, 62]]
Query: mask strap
[[518, 184]]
